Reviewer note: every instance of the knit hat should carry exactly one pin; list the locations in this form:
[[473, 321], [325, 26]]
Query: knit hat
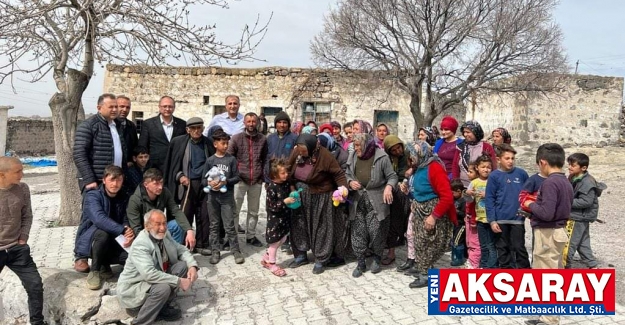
[[194, 121], [449, 123], [282, 116], [325, 126]]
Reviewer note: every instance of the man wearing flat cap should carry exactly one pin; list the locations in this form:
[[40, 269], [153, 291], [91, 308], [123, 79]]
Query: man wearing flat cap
[[183, 177]]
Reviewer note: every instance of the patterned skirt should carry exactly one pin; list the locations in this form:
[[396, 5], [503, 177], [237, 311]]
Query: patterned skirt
[[430, 245]]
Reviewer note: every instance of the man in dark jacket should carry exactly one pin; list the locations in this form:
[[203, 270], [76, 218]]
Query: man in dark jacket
[[183, 177], [152, 195], [127, 127], [250, 150], [103, 219], [97, 144], [281, 143], [157, 132]]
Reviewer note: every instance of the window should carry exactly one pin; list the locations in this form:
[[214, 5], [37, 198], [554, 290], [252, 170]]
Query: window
[[207, 100], [387, 117], [137, 117], [218, 109], [318, 112], [270, 114]]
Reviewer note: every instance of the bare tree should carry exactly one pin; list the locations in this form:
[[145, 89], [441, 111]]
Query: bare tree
[[441, 51], [66, 37]]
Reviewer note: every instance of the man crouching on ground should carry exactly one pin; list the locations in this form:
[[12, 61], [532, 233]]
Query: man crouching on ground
[[157, 265]]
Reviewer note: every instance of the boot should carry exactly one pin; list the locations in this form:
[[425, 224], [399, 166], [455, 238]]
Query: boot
[[406, 266], [360, 268]]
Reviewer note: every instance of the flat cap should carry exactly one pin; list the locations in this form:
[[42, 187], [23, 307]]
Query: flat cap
[[194, 121]]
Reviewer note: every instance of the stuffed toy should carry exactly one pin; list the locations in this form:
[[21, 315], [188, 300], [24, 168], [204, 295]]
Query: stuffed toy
[[215, 174], [339, 196], [298, 200]]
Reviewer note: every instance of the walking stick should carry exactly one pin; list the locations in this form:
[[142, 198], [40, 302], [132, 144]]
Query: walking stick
[[186, 197]]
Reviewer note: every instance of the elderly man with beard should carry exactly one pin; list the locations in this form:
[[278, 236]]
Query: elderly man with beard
[[157, 265], [250, 150]]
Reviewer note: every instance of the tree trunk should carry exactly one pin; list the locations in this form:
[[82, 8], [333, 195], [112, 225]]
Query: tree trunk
[[65, 107], [421, 118]]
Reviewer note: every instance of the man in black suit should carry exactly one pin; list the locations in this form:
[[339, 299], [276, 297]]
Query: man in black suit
[[127, 127], [157, 132]]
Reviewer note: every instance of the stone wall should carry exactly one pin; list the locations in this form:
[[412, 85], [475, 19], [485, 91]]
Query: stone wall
[[585, 111], [198, 91], [30, 137]]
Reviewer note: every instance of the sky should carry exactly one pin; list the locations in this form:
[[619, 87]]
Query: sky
[[593, 35]]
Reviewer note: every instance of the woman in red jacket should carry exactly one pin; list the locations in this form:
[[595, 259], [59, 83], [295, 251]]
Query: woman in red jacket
[[433, 211], [469, 150]]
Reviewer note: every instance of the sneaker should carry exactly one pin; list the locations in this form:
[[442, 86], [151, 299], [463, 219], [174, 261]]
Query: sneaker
[[81, 265], [215, 257], [318, 268], [299, 261], [254, 242], [238, 258], [106, 272], [94, 281], [169, 314]]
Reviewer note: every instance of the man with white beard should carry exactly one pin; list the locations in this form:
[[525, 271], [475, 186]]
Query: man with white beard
[[156, 266]]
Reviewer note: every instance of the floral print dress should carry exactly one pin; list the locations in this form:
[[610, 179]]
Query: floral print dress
[[278, 215]]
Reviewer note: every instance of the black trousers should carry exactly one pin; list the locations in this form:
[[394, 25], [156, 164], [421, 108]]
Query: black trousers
[[510, 244], [18, 260], [106, 251], [196, 208]]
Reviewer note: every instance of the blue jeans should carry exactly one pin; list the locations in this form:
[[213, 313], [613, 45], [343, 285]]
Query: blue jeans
[[487, 246], [175, 231]]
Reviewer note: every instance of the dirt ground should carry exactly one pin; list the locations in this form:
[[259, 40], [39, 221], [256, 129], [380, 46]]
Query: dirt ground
[[606, 164]]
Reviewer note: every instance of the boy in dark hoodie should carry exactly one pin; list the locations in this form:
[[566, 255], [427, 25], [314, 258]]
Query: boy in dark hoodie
[[502, 203], [585, 209]]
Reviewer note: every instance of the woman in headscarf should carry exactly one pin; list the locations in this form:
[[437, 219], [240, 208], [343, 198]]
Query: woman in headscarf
[[325, 128], [297, 127], [468, 151], [446, 146], [500, 136], [313, 124], [327, 141], [435, 131], [399, 155], [433, 210], [308, 129], [381, 131], [361, 126], [318, 225], [371, 180], [427, 134]]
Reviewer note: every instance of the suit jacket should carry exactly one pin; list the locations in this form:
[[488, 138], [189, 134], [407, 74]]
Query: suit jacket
[[174, 167], [153, 137], [144, 267], [129, 133]]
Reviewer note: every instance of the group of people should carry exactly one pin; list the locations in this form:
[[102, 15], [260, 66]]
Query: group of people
[[329, 190]]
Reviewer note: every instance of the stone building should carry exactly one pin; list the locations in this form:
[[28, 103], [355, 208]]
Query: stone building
[[584, 110], [305, 94]]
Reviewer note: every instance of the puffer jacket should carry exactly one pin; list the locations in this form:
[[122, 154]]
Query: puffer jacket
[[97, 215], [93, 149], [586, 192], [251, 154]]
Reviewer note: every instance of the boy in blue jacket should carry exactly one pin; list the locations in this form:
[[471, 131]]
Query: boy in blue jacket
[[502, 203]]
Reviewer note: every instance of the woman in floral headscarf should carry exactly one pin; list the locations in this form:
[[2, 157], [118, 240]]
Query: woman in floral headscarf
[[362, 126], [317, 225], [297, 127], [433, 211], [427, 134], [381, 131], [500, 136], [469, 150], [371, 180], [309, 129]]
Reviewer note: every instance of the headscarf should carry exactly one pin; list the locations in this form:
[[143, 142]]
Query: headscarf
[[310, 141], [389, 142], [431, 139], [325, 126], [297, 127], [504, 134], [449, 123], [435, 131], [367, 145], [308, 129], [365, 127], [212, 130], [378, 141], [327, 141], [421, 155], [476, 129]]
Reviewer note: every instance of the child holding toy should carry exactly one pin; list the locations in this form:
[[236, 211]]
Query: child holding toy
[[220, 204], [278, 214]]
